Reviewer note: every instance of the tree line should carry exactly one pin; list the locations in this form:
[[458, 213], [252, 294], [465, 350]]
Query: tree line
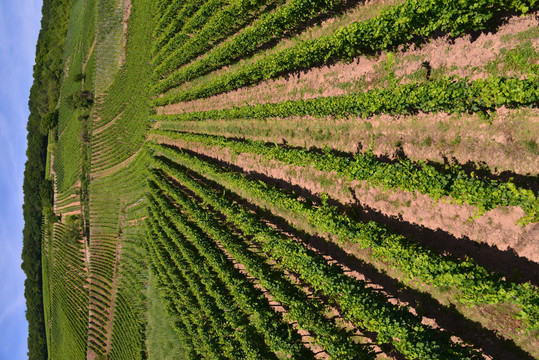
[[44, 95]]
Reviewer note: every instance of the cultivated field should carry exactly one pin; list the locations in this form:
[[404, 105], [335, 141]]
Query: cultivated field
[[295, 179]]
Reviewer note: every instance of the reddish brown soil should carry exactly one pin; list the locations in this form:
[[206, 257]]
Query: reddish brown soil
[[500, 142], [74, 212], [136, 222], [75, 203]]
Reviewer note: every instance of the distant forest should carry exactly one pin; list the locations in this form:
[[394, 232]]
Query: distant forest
[[38, 192]]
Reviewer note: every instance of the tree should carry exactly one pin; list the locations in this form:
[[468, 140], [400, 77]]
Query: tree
[[44, 95], [73, 229], [47, 193], [49, 121], [81, 99]]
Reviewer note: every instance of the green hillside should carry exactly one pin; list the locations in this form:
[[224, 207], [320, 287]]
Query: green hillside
[[284, 179]]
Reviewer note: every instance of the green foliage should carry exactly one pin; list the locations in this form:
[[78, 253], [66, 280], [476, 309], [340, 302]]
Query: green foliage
[[309, 315], [126, 103], [173, 20], [162, 338], [411, 21], [118, 278], [474, 283], [404, 174], [269, 26], [194, 235], [360, 304], [225, 22], [46, 192], [172, 40], [448, 94], [49, 121], [531, 146], [43, 98], [82, 99], [50, 216], [73, 229], [79, 77], [68, 320]]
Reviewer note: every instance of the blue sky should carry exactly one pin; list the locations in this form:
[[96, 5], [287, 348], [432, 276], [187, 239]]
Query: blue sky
[[19, 27]]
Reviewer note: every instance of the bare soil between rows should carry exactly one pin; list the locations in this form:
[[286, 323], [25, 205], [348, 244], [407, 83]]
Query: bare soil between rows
[[464, 55], [497, 228], [479, 326]]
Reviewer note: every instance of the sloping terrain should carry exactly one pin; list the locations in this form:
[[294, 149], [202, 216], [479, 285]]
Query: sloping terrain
[[295, 179]]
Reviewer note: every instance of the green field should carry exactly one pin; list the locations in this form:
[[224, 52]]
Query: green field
[[293, 179]]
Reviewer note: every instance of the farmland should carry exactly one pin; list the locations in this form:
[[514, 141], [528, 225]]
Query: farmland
[[292, 179]]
